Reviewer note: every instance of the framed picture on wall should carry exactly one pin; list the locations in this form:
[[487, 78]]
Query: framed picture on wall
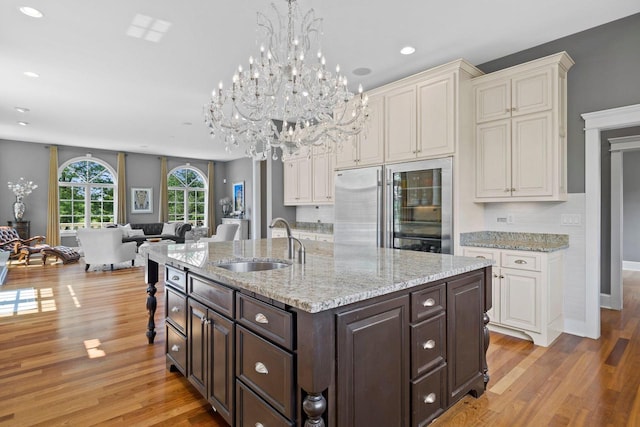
[[238, 197], [141, 200]]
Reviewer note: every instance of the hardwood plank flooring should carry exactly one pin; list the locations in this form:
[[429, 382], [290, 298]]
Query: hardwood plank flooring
[[73, 352]]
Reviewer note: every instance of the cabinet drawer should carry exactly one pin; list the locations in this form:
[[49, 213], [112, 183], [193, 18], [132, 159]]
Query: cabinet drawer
[[266, 320], [176, 278], [428, 397], [427, 302], [428, 344], [481, 253], [324, 237], [176, 307], [267, 369], [252, 411], [214, 295], [176, 349], [521, 260]]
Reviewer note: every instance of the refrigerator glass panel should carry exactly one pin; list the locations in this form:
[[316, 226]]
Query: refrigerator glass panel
[[417, 210]]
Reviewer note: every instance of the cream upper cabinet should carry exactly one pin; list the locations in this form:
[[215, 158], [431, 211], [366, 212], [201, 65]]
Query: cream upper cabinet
[[366, 148], [421, 119], [400, 117], [298, 180], [521, 132], [322, 175]]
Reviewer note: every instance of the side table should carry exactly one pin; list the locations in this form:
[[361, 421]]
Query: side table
[[22, 227]]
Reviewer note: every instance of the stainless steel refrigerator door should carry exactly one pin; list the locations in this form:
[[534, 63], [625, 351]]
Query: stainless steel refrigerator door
[[358, 207], [431, 227]]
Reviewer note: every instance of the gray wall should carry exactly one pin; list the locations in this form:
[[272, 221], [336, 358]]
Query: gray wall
[[631, 197], [240, 170], [605, 76], [31, 161]]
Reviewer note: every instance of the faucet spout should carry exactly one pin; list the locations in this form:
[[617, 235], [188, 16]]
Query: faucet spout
[[290, 238]]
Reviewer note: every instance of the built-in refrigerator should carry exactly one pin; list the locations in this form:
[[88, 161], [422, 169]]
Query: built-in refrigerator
[[403, 206]]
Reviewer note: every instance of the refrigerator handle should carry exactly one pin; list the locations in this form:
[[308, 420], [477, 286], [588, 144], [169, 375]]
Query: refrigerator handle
[[379, 225]]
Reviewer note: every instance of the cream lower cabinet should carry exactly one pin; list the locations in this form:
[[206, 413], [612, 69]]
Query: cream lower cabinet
[[302, 235], [527, 293], [521, 147]]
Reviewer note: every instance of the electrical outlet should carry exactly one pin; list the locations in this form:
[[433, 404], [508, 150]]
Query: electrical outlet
[[502, 219], [571, 219], [510, 219]]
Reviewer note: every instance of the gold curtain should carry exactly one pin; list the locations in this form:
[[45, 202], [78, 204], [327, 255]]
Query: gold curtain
[[53, 214], [121, 215], [211, 208], [163, 205]]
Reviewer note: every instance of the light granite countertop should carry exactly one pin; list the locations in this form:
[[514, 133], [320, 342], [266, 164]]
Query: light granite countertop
[[333, 275], [537, 242]]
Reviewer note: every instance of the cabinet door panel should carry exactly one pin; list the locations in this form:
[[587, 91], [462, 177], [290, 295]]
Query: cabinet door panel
[[321, 171], [532, 157], [197, 353], [372, 350], [493, 100], [520, 299], [305, 180], [436, 117], [493, 159], [346, 153], [532, 92], [290, 182], [222, 375], [400, 111], [371, 140], [465, 346]]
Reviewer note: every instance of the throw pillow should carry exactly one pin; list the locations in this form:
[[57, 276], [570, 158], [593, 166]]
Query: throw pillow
[[168, 229], [136, 233], [126, 230]]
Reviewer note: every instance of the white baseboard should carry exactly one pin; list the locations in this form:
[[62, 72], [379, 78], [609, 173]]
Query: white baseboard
[[605, 301], [631, 265]]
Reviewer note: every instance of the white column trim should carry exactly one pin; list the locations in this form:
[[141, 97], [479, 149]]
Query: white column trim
[[596, 122]]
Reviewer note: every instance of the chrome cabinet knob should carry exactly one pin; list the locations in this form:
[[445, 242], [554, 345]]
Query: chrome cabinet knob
[[261, 368], [430, 398], [261, 318], [428, 345]]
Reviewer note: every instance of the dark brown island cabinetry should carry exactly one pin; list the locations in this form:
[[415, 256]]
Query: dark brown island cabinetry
[[399, 359]]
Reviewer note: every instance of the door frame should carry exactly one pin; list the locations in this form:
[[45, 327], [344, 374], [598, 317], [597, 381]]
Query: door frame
[[595, 123]]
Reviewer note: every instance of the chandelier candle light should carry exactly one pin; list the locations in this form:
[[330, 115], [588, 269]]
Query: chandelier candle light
[[21, 189], [285, 85]]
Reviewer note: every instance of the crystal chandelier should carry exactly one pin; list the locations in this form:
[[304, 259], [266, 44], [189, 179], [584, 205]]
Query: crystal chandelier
[[286, 98]]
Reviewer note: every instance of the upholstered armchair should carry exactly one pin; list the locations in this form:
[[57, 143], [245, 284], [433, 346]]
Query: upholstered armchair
[[224, 233], [105, 246], [11, 242]]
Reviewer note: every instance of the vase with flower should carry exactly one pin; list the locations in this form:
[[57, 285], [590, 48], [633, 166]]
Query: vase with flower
[[225, 202], [21, 189]]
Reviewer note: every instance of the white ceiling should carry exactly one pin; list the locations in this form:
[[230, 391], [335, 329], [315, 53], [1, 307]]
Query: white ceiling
[[99, 88]]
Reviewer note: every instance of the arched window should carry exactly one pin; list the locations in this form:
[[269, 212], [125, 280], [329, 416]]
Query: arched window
[[187, 195], [87, 189]]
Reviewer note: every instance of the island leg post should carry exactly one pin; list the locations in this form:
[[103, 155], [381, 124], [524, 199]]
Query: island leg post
[[151, 278]]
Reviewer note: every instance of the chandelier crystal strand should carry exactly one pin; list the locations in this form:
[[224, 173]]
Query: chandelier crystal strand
[[286, 98]]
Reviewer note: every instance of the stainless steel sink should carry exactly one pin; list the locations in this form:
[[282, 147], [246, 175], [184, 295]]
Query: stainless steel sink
[[249, 266]]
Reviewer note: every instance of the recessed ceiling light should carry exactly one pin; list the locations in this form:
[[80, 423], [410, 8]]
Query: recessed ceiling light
[[22, 109], [31, 74], [29, 11], [362, 71], [407, 50], [23, 123]]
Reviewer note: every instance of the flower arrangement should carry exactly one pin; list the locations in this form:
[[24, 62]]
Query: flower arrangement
[[22, 188]]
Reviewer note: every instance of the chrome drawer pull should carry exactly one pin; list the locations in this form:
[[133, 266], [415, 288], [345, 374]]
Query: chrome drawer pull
[[261, 318], [429, 345], [430, 398], [175, 277], [429, 302], [520, 261], [480, 256], [175, 309], [175, 347], [259, 425], [261, 369]]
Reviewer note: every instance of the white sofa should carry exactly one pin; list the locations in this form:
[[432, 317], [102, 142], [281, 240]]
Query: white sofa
[[105, 246]]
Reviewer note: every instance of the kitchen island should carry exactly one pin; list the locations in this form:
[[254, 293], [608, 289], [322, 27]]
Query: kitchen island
[[355, 336]]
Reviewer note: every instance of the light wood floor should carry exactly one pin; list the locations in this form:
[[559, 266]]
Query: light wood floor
[[73, 352]]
